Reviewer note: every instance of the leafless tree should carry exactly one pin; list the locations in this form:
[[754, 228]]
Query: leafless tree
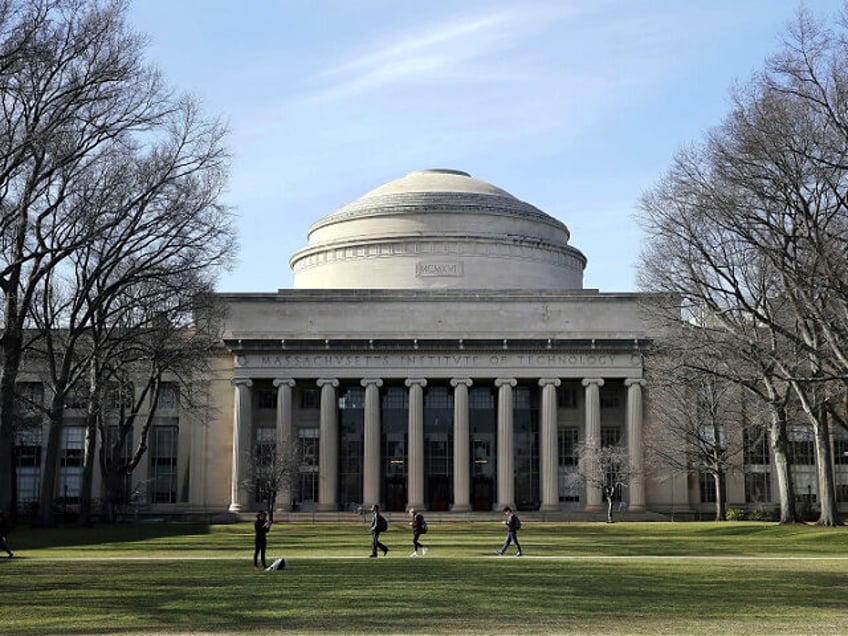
[[273, 467], [605, 468], [749, 229], [108, 183]]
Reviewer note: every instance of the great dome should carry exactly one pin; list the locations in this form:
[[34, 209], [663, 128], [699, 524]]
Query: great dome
[[438, 229]]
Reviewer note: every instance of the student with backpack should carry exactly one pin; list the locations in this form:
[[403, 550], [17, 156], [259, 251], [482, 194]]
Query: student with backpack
[[419, 527], [513, 525], [378, 525]]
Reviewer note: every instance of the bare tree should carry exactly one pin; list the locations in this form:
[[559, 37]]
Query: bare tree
[[109, 184], [749, 229], [273, 467], [605, 468], [696, 420]]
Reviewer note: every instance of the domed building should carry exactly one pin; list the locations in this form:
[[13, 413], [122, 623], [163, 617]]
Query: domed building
[[438, 351]]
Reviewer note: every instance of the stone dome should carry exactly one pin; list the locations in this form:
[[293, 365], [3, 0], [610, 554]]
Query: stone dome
[[438, 229]]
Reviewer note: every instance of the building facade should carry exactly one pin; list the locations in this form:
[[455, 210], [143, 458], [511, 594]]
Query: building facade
[[438, 351]]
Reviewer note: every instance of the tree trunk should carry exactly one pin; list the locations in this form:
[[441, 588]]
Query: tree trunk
[[785, 483], [721, 500], [45, 517], [828, 515]]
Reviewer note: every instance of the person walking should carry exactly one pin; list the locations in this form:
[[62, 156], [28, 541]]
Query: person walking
[[260, 541], [513, 525], [378, 525], [419, 527], [4, 532]]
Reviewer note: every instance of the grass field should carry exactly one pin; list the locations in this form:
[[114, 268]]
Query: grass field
[[592, 578]]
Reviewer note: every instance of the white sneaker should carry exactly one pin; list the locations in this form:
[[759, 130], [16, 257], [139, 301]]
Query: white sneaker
[[425, 551], [414, 554]]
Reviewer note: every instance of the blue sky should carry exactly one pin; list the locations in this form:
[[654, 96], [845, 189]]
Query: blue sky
[[574, 106]]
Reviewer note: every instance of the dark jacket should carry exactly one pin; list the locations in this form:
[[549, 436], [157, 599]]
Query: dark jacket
[[261, 529]]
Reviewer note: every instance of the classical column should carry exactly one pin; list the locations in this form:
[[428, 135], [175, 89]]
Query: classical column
[[549, 446], [415, 476], [634, 441], [284, 437], [371, 443], [328, 446], [242, 426], [461, 446], [593, 436], [506, 478]]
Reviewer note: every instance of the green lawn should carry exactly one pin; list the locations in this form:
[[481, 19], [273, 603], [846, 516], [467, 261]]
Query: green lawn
[[583, 578]]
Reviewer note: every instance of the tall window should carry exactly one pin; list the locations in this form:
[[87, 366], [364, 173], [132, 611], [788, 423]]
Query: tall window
[[610, 436], [708, 488], [310, 399], [264, 451], [267, 398], [168, 395], [757, 487], [163, 464], [801, 445], [70, 463], [567, 398], [28, 462], [309, 438], [568, 489], [755, 441], [124, 454]]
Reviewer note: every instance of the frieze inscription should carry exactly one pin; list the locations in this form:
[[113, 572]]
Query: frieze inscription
[[428, 360]]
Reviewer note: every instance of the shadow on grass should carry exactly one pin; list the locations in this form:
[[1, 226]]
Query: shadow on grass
[[70, 536]]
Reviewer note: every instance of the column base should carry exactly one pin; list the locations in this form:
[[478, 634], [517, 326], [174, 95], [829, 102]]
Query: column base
[[498, 507], [549, 508], [324, 507], [595, 508], [235, 507], [418, 507], [461, 508]]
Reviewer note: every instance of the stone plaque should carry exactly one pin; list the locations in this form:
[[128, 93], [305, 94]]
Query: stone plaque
[[428, 269]]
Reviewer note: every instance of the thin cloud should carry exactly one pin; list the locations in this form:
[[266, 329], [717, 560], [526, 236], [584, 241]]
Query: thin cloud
[[437, 52]]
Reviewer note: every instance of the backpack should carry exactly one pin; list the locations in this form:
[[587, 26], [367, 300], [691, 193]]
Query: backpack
[[516, 523], [382, 524], [422, 525]]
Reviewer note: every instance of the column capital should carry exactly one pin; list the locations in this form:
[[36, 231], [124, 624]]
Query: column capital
[[591, 381], [333, 382], [499, 382], [289, 382], [628, 382], [467, 382], [422, 382], [241, 382], [548, 381], [378, 382]]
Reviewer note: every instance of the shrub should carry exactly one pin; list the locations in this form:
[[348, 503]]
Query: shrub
[[735, 514], [760, 513]]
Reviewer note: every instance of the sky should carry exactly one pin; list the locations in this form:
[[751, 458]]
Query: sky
[[575, 106]]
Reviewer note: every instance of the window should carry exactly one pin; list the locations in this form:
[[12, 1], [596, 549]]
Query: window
[[70, 463], [28, 461], [29, 396], [568, 459], [708, 488], [76, 398], [610, 436], [756, 446], [609, 399], [801, 445], [163, 464], [521, 398], [353, 398], [120, 396], [168, 394], [568, 447], [396, 397], [757, 487], [264, 451], [567, 398], [310, 399], [840, 450], [267, 398], [124, 454], [481, 398]]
